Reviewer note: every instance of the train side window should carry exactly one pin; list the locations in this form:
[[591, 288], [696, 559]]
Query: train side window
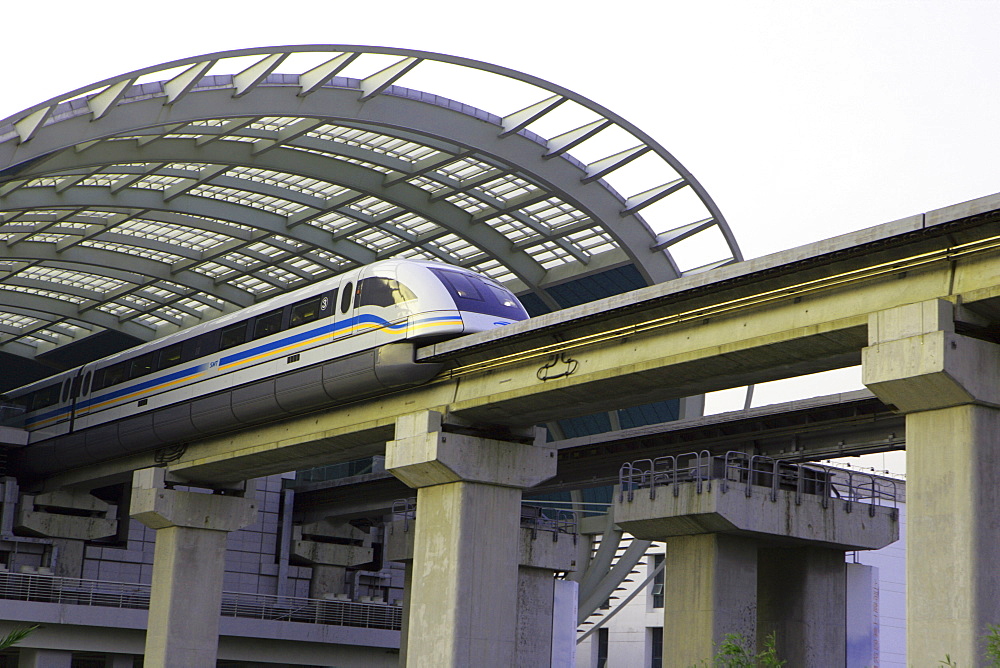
[[304, 311], [77, 384], [114, 374], [170, 356], [86, 382], [99, 379], [44, 397], [65, 390], [267, 324], [141, 366], [233, 335], [379, 291], [200, 346], [345, 299]]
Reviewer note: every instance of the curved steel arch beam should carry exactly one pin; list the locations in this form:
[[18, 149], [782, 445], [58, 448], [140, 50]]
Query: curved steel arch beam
[[110, 93], [99, 260], [385, 113], [69, 312], [289, 161]]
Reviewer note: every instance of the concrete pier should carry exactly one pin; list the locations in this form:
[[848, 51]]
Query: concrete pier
[[713, 591], [463, 598], [753, 547], [948, 384], [188, 563]]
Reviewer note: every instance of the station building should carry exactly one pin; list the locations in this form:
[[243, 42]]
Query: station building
[[163, 198]]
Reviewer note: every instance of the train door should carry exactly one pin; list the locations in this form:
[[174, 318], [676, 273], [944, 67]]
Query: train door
[[346, 324], [81, 397], [384, 304]]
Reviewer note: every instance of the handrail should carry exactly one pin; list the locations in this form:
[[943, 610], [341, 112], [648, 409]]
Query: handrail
[[756, 471], [44, 588], [407, 509]]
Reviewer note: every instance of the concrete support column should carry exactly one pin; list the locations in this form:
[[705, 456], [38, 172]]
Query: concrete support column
[[797, 591], [949, 387], [712, 586], [43, 658], [188, 566], [463, 601]]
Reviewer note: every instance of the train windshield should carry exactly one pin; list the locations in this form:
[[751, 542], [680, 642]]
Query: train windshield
[[473, 293]]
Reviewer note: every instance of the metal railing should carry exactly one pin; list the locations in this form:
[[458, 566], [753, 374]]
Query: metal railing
[[74, 591], [539, 518], [407, 509], [750, 472]]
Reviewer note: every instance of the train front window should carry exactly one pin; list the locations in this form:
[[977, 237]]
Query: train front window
[[460, 285], [480, 295]]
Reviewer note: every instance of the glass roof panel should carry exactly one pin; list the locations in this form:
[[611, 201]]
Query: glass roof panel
[[54, 294], [76, 279], [505, 191]]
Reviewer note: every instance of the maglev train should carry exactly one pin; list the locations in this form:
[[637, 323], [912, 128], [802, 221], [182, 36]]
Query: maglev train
[[339, 339]]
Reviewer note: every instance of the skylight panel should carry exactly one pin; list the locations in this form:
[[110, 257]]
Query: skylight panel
[[139, 251], [62, 296], [549, 254], [472, 205], [554, 214], [513, 229], [76, 279]]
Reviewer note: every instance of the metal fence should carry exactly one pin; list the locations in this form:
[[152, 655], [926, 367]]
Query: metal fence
[[738, 470], [73, 591]]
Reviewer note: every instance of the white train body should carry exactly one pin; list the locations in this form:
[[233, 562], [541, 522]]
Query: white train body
[[336, 340]]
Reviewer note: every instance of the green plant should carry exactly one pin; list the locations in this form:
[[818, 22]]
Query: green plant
[[16, 636], [947, 662], [993, 645], [734, 652]]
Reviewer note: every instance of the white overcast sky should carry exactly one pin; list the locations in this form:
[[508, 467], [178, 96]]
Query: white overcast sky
[[803, 119]]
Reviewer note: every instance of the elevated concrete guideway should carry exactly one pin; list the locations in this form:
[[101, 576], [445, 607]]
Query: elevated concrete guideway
[[800, 311]]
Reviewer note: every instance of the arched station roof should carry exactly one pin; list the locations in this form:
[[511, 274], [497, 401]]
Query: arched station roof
[[159, 198]]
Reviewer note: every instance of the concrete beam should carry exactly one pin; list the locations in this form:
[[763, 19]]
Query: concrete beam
[[70, 514]]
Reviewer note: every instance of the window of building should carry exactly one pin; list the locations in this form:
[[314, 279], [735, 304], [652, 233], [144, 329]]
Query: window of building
[[657, 589], [602, 648], [655, 647]]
